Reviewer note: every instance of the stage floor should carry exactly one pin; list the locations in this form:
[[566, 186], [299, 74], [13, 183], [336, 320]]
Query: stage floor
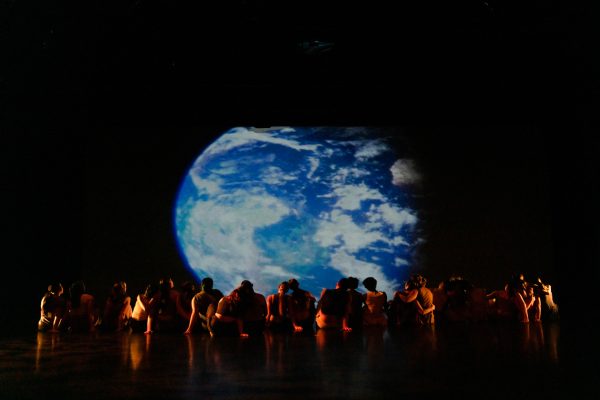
[[483, 361]]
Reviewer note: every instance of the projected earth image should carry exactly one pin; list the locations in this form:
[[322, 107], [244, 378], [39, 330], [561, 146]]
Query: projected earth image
[[315, 204]]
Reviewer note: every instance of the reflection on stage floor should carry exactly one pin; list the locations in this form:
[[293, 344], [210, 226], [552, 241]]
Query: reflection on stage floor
[[477, 360]]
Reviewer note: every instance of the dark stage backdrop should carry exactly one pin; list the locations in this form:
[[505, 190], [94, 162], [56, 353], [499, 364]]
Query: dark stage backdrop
[[496, 96], [97, 204]]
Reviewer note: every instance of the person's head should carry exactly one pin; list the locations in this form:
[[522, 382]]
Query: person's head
[[119, 289], [56, 288], [188, 287], [247, 287], [370, 284], [418, 281], [352, 283], [166, 283], [283, 288], [151, 290], [77, 288], [207, 284], [293, 283], [342, 284]]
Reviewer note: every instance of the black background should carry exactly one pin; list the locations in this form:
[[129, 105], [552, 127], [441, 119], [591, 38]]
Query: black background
[[106, 104]]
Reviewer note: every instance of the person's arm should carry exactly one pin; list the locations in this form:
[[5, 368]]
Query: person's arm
[[292, 314], [492, 295], [58, 317], [321, 299], [424, 311], [42, 305], [408, 297], [143, 303], [522, 308], [91, 314], [230, 319], [269, 316], [529, 301], [385, 303], [125, 305], [149, 324], [193, 318], [150, 309], [345, 326], [180, 310], [263, 305]]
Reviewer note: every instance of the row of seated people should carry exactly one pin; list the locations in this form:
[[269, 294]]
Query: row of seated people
[[457, 299], [163, 308]]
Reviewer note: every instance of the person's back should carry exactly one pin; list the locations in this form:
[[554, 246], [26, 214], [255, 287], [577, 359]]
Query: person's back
[[403, 310], [502, 304], [278, 309], [333, 302], [255, 314], [374, 311], [227, 319], [117, 309], [144, 311], [170, 316], [425, 299], [52, 308], [549, 309], [203, 299], [81, 309], [333, 308], [301, 307], [356, 304]]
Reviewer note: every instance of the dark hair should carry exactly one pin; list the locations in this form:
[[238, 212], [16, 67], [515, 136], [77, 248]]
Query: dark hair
[[370, 283], [418, 281], [246, 287], [55, 287], [118, 292], [343, 283], [293, 284], [75, 291], [207, 283], [352, 283]]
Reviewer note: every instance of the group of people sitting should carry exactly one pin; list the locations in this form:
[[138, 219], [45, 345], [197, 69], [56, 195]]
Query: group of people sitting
[[244, 312]]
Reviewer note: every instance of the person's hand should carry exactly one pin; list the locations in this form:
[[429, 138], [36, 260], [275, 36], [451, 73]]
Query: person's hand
[[243, 335], [298, 328], [347, 329], [187, 332]]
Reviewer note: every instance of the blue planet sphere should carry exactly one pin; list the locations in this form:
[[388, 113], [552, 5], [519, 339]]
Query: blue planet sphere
[[311, 203]]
